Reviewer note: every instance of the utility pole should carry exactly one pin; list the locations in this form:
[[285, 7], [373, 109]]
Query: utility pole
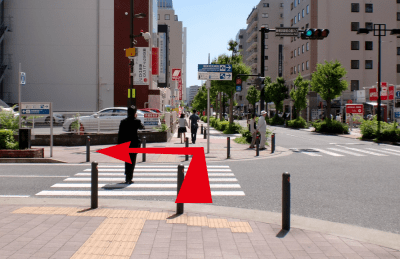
[[262, 98], [132, 99]]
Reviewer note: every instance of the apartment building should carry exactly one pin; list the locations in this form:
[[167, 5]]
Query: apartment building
[[192, 93], [358, 53], [176, 51]]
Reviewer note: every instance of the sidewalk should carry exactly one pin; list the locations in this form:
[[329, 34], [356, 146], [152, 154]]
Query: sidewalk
[[51, 228], [218, 151]]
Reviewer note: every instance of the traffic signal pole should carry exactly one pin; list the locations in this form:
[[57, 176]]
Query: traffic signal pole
[[262, 98], [131, 100]]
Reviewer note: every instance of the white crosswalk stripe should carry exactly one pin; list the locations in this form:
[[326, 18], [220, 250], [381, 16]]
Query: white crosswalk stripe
[[393, 150], [319, 152], [364, 151], [327, 152], [346, 152], [149, 180], [309, 152], [385, 152]]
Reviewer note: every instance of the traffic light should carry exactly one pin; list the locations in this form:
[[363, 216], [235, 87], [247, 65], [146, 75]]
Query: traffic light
[[259, 81], [314, 34]]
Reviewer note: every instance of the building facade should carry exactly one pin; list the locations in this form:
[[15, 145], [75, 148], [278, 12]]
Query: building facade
[[192, 93]]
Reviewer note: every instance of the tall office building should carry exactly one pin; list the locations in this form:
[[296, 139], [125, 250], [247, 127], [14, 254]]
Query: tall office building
[[192, 93]]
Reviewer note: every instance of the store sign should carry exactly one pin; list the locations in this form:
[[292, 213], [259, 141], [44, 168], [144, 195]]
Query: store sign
[[180, 89], [162, 77], [150, 119], [155, 61], [354, 108], [373, 94], [141, 67], [384, 91], [391, 92]]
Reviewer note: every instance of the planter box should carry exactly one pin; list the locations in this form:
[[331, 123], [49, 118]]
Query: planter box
[[26, 153]]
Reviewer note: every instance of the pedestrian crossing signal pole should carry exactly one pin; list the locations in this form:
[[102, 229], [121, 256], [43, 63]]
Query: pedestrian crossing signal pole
[[208, 86]]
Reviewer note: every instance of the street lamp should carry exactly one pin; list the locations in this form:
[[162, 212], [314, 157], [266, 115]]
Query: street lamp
[[132, 99], [379, 30]]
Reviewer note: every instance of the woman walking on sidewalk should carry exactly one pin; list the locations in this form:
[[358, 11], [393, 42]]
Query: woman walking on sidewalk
[[182, 126]]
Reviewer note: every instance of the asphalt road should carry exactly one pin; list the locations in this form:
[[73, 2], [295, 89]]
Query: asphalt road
[[344, 185]]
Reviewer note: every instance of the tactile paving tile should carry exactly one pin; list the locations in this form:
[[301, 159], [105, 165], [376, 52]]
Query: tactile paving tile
[[157, 216], [218, 223], [198, 221], [25, 210], [138, 214], [182, 219], [240, 227]]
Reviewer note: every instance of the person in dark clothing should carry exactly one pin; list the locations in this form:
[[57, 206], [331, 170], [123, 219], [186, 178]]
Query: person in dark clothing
[[128, 132], [193, 125]]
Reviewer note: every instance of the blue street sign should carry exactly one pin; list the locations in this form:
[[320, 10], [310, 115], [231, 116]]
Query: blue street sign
[[35, 111], [398, 94], [238, 88], [215, 68], [225, 76], [397, 114]]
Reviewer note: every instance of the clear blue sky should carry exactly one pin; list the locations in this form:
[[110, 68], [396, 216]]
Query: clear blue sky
[[210, 25]]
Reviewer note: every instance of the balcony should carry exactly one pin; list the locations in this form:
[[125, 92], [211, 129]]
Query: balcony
[[252, 56], [252, 46], [252, 36], [3, 29], [252, 15], [252, 25], [3, 68]]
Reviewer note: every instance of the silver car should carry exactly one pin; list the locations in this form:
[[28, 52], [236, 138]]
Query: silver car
[[105, 120]]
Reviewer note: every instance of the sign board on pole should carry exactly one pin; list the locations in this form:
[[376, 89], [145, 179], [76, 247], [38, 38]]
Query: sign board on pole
[[163, 57], [176, 74], [384, 93], [357, 110], [373, 94], [180, 89], [391, 92], [397, 94], [150, 119], [35, 108], [23, 78], [227, 68], [131, 52], [360, 96], [155, 61], [286, 31], [141, 67], [214, 76]]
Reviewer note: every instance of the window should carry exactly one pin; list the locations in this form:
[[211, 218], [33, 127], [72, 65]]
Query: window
[[298, 1], [295, 19], [158, 16], [264, 15], [355, 26], [266, 4], [281, 24], [369, 8], [355, 8], [369, 45], [281, 15], [369, 25], [368, 64], [295, 3], [240, 36], [166, 17], [294, 70], [302, 66], [266, 68], [176, 17], [266, 35], [302, 49], [266, 58], [302, 13], [240, 98], [291, 21], [398, 68], [281, 5], [295, 53], [354, 85], [298, 68], [308, 9], [266, 46], [355, 45], [291, 54], [355, 64], [298, 51], [298, 17], [291, 6], [307, 66], [398, 49], [307, 46], [307, 25], [398, 16], [291, 70]]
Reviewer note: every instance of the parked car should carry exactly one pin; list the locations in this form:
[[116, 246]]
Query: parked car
[[105, 120], [151, 109]]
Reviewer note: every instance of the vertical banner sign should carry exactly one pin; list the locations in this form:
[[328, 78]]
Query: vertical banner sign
[[180, 89], [373, 94], [141, 68], [280, 61], [384, 93], [163, 57], [391, 92], [176, 74], [155, 66]]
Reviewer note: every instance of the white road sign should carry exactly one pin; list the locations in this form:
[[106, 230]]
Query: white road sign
[[141, 68], [214, 76]]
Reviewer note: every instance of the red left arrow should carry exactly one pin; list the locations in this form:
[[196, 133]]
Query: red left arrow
[[195, 187]]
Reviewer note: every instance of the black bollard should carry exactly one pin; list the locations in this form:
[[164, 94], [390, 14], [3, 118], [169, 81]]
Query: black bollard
[[181, 176], [95, 186], [143, 146], [186, 145], [228, 150], [88, 149], [286, 201], [257, 146], [202, 132], [205, 134], [272, 143]]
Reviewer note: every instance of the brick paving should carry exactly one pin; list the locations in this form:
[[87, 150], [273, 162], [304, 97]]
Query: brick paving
[[51, 232]]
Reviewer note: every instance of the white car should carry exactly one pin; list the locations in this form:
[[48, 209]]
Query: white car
[[106, 119]]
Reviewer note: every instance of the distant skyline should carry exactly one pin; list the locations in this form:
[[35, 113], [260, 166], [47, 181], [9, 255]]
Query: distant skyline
[[210, 25]]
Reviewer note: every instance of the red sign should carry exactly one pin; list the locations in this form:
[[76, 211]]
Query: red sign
[[176, 74], [180, 88], [349, 101], [355, 108], [151, 115], [391, 92], [204, 113], [238, 81], [373, 94], [384, 89], [155, 61]]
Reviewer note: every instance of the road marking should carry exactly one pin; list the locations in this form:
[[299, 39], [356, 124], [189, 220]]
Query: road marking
[[346, 152], [386, 152], [14, 196], [132, 193], [327, 152], [161, 166], [391, 149], [151, 174], [144, 179], [154, 170], [364, 151], [88, 185], [49, 176], [304, 151]]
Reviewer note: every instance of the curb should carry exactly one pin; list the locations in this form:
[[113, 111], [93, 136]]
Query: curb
[[30, 160]]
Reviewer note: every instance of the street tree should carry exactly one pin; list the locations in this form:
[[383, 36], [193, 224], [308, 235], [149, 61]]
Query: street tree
[[328, 81], [276, 92], [299, 94], [253, 96], [200, 99]]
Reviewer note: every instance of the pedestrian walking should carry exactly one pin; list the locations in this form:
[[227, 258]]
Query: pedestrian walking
[[194, 126], [253, 130], [128, 132], [351, 121], [262, 128], [182, 126]]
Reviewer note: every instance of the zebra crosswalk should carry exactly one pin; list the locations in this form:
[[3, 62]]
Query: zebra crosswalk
[[340, 151], [149, 180]]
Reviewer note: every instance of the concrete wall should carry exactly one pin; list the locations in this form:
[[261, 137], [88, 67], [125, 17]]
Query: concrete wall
[[56, 42]]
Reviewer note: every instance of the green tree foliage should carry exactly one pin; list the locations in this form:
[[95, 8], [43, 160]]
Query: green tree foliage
[[299, 94], [328, 83], [253, 95], [276, 92], [200, 99]]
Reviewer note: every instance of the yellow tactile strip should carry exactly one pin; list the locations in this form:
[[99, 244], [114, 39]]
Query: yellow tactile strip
[[117, 235]]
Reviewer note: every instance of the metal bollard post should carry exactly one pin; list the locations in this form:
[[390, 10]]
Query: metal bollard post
[[88, 149], [202, 132], [95, 186], [272, 143], [257, 146], [205, 134], [286, 201], [181, 176], [228, 150], [143, 146], [186, 145]]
